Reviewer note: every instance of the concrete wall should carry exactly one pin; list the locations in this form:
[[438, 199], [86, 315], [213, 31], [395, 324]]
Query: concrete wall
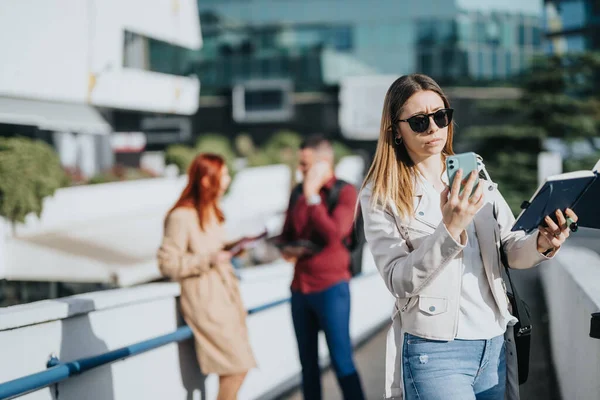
[[94, 323], [110, 232], [70, 207], [72, 51], [572, 288]]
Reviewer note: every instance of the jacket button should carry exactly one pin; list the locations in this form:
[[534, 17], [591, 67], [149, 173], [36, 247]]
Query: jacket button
[[432, 308], [421, 213]]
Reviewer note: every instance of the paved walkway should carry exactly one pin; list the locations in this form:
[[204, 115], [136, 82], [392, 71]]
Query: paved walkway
[[370, 363]]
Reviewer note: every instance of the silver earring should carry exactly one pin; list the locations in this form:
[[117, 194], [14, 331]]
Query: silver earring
[[398, 140]]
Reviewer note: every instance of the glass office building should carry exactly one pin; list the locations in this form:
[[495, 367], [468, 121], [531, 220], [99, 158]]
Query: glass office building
[[571, 25], [317, 43]]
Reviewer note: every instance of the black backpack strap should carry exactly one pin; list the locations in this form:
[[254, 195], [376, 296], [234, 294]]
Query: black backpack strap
[[334, 194], [295, 195]]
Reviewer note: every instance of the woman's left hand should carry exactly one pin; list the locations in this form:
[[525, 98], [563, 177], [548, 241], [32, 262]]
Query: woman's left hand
[[552, 236]]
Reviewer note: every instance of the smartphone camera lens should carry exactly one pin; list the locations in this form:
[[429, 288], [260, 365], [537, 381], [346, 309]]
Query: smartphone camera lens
[[451, 162]]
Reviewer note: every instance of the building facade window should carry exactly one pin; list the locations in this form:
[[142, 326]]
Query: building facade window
[[573, 13], [481, 64], [508, 63], [464, 44], [135, 51], [495, 67], [507, 35], [576, 42], [149, 54], [572, 25], [522, 34]]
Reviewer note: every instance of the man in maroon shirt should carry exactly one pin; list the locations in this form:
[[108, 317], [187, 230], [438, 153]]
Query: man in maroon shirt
[[320, 290]]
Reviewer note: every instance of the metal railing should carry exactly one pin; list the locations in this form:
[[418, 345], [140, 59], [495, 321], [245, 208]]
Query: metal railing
[[63, 371]]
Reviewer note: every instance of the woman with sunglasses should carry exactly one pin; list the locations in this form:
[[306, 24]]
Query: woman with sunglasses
[[436, 250]]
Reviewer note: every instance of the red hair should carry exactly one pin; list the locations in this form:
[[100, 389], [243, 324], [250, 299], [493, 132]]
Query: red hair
[[195, 195]]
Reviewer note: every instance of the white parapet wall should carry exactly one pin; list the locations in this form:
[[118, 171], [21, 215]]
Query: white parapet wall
[[109, 233], [94, 323], [572, 288]]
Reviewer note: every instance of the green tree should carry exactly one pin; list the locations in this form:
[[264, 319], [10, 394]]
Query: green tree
[[30, 170], [560, 100]]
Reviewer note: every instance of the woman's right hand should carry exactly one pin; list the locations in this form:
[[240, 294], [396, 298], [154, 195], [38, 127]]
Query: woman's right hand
[[220, 257], [458, 210]]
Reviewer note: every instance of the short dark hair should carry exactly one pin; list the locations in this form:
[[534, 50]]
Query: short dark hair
[[315, 142]]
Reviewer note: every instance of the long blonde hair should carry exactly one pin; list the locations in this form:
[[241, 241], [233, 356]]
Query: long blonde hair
[[392, 172]]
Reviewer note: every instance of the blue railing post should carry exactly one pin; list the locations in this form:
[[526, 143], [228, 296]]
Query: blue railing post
[[53, 361]]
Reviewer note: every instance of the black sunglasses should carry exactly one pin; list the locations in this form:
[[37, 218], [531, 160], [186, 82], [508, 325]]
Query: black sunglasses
[[420, 123]]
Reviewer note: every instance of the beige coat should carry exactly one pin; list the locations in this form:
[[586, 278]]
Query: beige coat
[[420, 263], [210, 298]]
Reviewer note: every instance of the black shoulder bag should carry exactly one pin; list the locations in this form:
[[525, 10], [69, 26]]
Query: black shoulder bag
[[520, 310]]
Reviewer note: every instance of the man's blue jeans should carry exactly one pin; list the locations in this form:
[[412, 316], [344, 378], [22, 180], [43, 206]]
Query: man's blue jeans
[[328, 310], [456, 370]]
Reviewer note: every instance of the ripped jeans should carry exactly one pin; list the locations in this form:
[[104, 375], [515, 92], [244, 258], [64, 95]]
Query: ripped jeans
[[456, 370]]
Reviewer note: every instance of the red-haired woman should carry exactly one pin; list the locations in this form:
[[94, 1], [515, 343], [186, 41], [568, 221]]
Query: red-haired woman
[[192, 252]]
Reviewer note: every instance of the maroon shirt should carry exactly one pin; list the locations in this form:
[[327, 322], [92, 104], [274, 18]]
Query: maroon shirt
[[313, 222]]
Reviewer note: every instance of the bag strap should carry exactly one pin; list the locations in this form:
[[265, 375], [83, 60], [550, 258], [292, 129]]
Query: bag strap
[[295, 195], [334, 194], [521, 312]]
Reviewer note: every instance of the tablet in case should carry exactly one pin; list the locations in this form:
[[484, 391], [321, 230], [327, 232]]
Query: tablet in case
[[579, 191]]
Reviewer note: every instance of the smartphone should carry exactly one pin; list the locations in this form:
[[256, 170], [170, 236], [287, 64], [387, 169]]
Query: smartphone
[[465, 161]]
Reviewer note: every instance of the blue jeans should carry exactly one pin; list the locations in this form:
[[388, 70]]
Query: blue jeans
[[456, 370], [328, 310]]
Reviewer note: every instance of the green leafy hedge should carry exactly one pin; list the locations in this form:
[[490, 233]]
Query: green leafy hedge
[[120, 173], [182, 156], [281, 148], [30, 170]]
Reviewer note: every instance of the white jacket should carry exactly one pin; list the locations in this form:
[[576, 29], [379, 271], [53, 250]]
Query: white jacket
[[421, 265]]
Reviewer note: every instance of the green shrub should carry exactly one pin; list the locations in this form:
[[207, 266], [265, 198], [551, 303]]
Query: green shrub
[[30, 170], [218, 144], [120, 173], [282, 148], [258, 159], [180, 155], [244, 145]]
